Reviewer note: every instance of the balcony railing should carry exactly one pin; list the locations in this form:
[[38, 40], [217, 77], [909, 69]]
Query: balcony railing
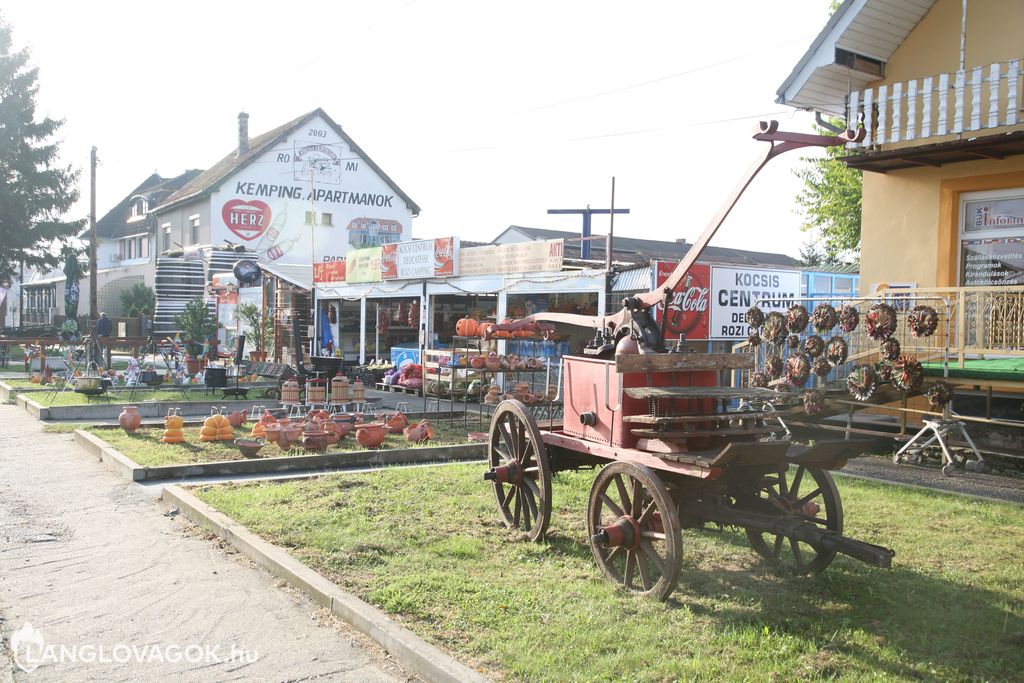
[[941, 105]]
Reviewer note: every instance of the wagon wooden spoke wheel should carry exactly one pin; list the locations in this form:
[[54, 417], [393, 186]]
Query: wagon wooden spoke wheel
[[810, 494], [519, 470], [634, 531]]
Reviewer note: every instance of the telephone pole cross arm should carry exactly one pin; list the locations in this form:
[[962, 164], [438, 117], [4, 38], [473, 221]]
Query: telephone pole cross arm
[[587, 213]]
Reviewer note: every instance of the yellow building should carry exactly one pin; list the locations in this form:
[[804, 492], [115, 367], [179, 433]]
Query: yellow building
[[937, 84]]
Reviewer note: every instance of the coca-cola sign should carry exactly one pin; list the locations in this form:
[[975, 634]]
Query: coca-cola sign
[[689, 307], [420, 259]]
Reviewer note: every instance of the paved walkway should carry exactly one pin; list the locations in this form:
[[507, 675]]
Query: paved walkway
[[90, 560]]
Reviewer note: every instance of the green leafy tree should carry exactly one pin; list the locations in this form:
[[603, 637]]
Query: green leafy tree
[[35, 190], [259, 327], [197, 324], [830, 203], [138, 299]]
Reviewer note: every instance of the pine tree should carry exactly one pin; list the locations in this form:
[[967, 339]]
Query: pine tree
[[35, 191]]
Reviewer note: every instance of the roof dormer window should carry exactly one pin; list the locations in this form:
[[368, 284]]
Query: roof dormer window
[[139, 207]]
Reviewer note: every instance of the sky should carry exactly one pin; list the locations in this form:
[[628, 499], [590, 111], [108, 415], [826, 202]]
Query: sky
[[486, 113]]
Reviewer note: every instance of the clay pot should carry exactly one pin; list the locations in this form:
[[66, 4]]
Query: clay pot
[[332, 438], [371, 435], [477, 362], [419, 432], [129, 419], [237, 418], [397, 422], [249, 448], [493, 361], [315, 441]]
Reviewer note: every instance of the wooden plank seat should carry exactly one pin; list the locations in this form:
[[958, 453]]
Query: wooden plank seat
[[727, 416], [691, 433], [748, 453], [726, 393], [683, 362]]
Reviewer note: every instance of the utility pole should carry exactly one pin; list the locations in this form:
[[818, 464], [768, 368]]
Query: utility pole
[[587, 213], [93, 312]]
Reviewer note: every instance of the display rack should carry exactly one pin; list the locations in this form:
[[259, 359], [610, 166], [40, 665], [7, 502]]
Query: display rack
[[449, 380]]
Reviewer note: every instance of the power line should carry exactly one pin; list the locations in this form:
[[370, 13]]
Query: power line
[[679, 74]]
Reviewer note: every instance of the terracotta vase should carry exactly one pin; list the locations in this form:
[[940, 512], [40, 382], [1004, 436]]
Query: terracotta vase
[[419, 432], [371, 435], [397, 422], [237, 418], [129, 419]]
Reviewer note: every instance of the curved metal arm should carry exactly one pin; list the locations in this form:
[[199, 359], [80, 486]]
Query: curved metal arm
[[779, 143]]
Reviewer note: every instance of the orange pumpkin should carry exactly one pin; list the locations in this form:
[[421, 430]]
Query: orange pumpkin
[[466, 327]]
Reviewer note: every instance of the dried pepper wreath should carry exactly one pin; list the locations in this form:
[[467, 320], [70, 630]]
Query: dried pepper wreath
[[814, 346], [773, 366], [796, 318], [861, 382], [939, 394], [797, 370], [889, 349], [836, 351], [755, 316], [824, 318], [880, 321], [849, 318], [814, 402], [923, 321], [774, 328], [907, 373]]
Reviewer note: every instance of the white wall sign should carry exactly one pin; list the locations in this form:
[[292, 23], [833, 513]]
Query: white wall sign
[[308, 199], [420, 259], [734, 290]]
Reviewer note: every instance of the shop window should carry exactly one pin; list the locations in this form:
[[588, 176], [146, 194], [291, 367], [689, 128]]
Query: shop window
[[843, 285], [803, 285], [822, 284], [992, 238]]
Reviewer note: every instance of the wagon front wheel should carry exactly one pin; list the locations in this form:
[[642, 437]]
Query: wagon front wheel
[[519, 470], [634, 530]]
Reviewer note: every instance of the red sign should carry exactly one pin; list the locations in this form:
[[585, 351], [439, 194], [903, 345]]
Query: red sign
[[689, 307], [444, 256], [248, 219], [331, 271], [389, 261]]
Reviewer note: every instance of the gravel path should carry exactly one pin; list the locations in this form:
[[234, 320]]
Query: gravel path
[[91, 560], [988, 486]]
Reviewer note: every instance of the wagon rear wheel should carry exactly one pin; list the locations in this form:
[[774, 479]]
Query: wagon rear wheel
[[810, 494], [634, 529], [519, 472]]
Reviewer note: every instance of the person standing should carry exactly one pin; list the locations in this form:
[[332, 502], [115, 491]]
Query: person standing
[[104, 326]]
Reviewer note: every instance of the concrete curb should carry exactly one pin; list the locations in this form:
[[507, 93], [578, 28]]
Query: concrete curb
[[131, 470], [34, 408], [150, 409], [413, 652]]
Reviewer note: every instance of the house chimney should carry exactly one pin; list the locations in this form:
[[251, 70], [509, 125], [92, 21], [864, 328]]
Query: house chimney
[[243, 133], [681, 240]]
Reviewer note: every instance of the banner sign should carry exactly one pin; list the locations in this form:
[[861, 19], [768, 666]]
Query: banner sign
[[362, 265], [688, 308], [734, 290], [331, 271], [420, 259], [518, 257]]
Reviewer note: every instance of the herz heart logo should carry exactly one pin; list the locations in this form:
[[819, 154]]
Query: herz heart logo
[[248, 219]]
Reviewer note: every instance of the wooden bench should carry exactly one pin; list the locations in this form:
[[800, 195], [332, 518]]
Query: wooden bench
[[683, 362]]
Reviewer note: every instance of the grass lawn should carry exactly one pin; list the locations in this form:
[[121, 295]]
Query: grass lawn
[[425, 545], [146, 448], [118, 396]]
